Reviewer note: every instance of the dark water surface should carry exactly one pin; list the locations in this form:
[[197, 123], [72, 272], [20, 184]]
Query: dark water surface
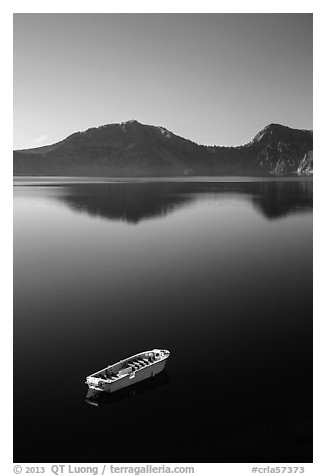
[[218, 273]]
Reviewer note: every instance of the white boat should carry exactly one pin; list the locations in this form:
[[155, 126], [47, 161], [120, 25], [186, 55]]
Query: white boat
[[129, 371]]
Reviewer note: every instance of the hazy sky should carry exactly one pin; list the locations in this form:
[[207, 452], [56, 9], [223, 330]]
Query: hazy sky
[[212, 78]]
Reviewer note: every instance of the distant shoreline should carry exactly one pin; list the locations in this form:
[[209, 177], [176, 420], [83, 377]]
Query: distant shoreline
[[26, 180]]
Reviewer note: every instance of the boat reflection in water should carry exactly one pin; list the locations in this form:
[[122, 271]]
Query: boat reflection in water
[[96, 398]]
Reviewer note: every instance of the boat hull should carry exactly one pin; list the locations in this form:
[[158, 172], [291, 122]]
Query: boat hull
[[142, 374], [147, 385]]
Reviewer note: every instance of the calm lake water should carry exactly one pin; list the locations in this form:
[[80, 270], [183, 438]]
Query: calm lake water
[[219, 273]]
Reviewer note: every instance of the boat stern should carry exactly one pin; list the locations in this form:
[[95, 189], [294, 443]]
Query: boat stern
[[95, 383]]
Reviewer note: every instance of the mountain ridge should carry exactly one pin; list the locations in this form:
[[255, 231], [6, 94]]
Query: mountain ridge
[[134, 149]]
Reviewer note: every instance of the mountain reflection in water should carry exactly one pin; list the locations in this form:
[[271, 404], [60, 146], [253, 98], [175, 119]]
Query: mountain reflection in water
[[134, 202]]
